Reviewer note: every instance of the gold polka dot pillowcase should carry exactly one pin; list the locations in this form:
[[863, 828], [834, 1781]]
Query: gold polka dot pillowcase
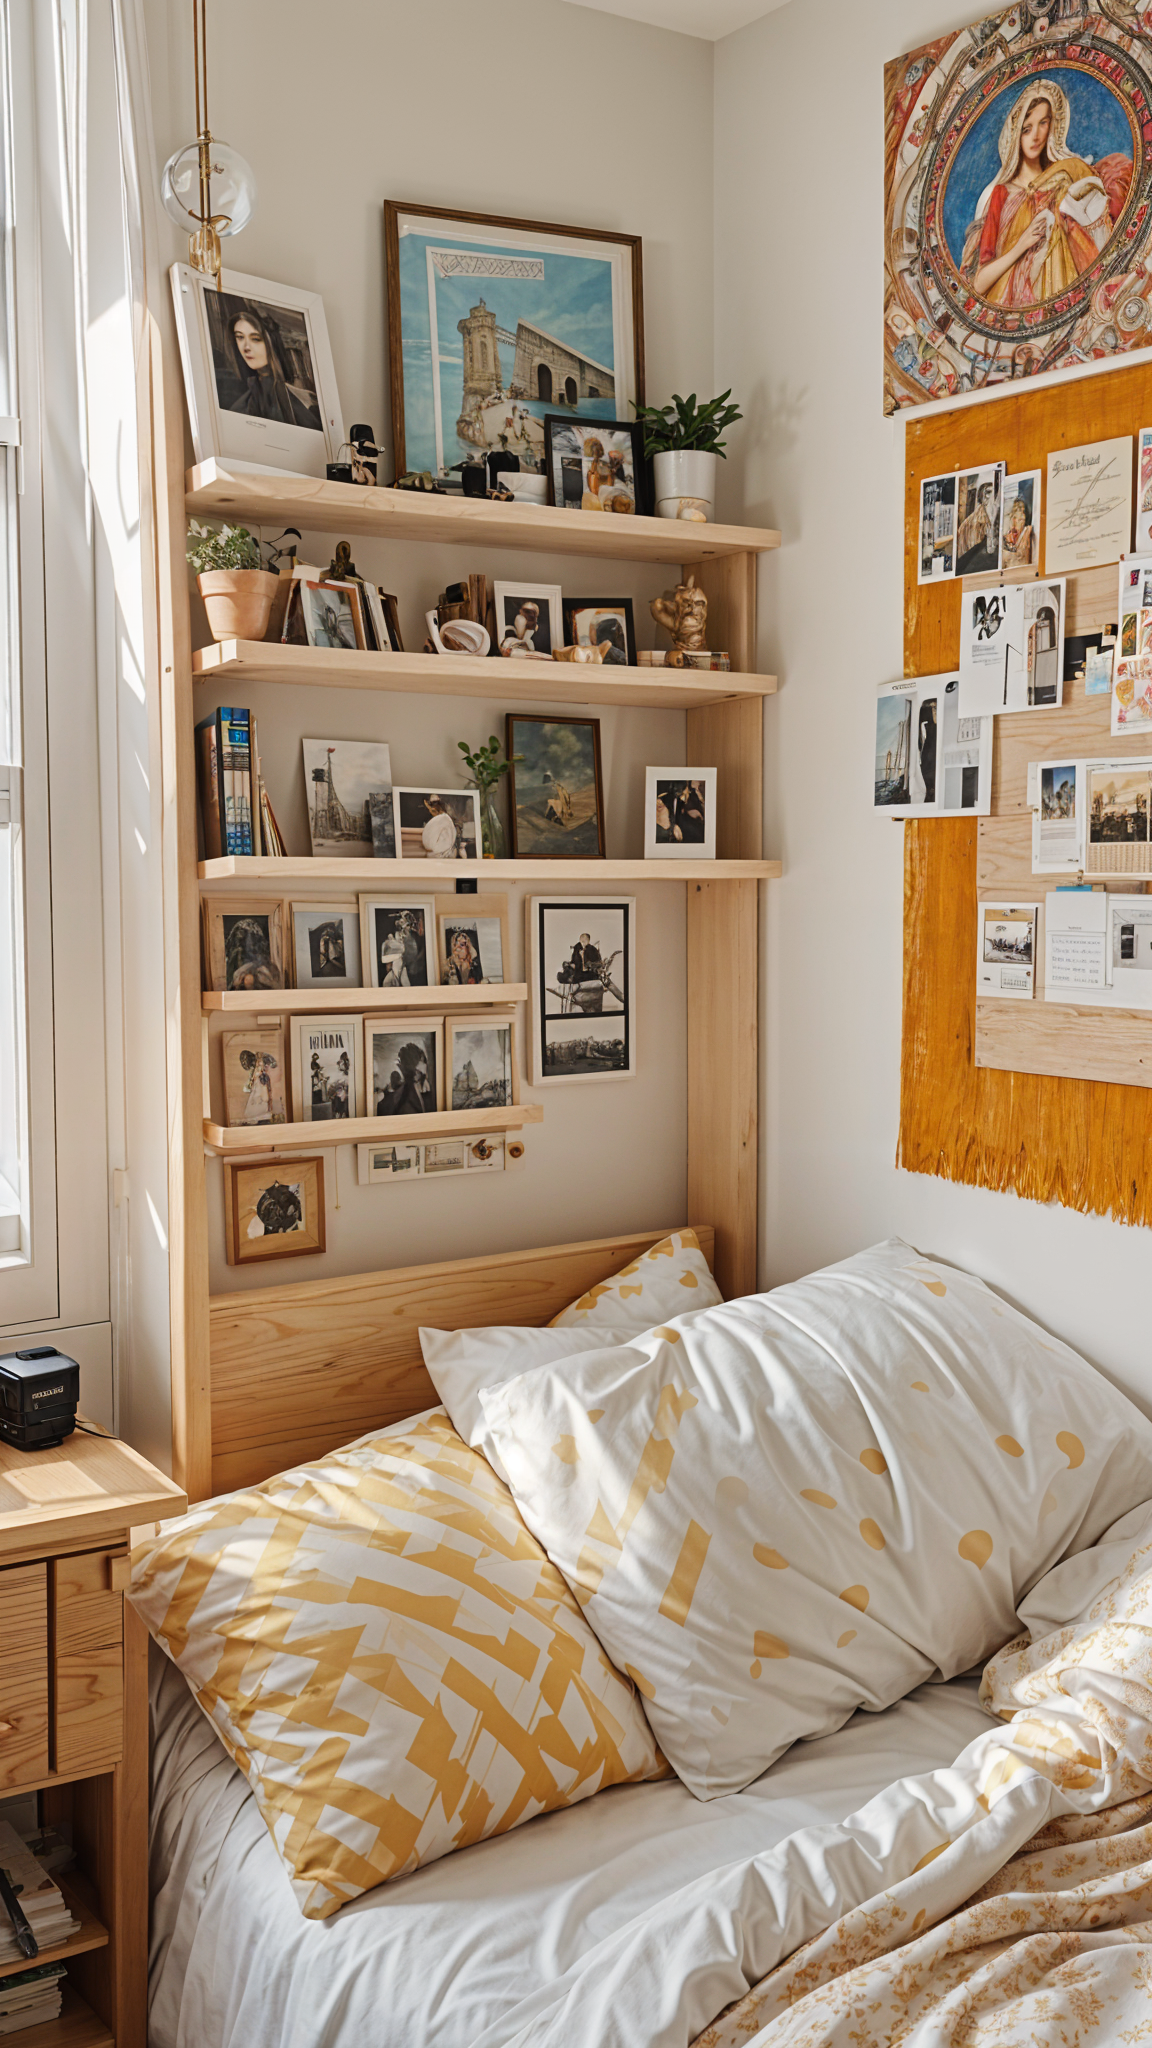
[[809, 1501]]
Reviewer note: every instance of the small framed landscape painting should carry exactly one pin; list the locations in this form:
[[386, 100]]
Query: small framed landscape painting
[[680, 814], [555, 794], [273, 1209]]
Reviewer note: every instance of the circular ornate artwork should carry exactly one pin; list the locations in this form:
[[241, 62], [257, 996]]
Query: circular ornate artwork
[[1018, 185]]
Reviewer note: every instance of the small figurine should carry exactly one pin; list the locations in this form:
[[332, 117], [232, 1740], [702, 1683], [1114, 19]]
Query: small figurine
[[685, 614], [342, 569], [594, 654]]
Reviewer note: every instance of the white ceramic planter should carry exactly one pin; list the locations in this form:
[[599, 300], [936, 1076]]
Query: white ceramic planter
[[685, 480]]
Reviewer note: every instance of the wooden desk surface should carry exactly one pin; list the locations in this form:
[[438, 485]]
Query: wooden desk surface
[[88, 1487]]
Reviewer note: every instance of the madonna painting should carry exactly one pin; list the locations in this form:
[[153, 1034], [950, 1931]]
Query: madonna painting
[[1019, 228]]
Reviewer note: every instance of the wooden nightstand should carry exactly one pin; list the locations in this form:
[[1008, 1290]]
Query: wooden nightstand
[[74, 1712]]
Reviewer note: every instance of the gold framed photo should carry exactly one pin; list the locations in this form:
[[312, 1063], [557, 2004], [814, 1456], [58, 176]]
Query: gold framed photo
[[404, 1065], [255, 1078], [244, 942], [472, 941], [482, 1065], [273, 1209]]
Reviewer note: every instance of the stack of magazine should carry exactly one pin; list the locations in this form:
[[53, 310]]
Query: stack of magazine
[[30, 1996], [41, 1899]]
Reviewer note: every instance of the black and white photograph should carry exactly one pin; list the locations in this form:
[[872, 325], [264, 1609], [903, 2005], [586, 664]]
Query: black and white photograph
[[244, 943], [1006, 949], [258, 371], [382, 818], [529, 620], [396, 942], [473, 938], [937, 529], [445, 1155], [333, 615], [596, 466], [437, 824], [929, 761], [1012, 648], [680, 813], [339, 778], [327, 1070], [404, 1065], [582, 977], [393, 1163], [480, 1063], [603, 623], [326, 945]]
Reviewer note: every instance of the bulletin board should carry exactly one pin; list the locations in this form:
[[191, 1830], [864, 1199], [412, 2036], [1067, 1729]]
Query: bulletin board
[[1053, 1102]]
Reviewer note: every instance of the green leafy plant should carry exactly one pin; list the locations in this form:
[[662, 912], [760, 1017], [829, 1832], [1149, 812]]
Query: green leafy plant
[[484, 765], [684, 424], [230, 547]]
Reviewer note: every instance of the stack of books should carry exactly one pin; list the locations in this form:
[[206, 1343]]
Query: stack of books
[[30, 1996], [234, 808], [41, 1900]]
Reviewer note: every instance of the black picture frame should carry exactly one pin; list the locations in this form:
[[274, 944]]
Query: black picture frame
[[534, 836], [615, 654], [560, 430]]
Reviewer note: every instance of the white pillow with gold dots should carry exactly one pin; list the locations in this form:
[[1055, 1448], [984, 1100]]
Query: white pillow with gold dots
[[810, 1501]]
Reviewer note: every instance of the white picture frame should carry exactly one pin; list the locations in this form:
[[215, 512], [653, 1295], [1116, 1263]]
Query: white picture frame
[[424, 1030], [470, 1038], [377, 933], [668, 813], [527, 642], [301, 352], [557, 1015], [348, 1034], [316, 952], [422, 834]]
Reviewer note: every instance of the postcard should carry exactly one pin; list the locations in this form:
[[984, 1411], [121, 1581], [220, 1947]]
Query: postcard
[[1012, 648], [1130, 950], [929, 761], [979, 504], [1089, 505], [937, 529], [1118, 798], [1020, 523], [1006, 949], [1098, 671], [1075, 939], [1144, 491], [339, 778], [1058, 818], [1132, 667]]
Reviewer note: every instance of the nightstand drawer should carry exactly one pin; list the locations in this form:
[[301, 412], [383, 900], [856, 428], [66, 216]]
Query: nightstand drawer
[[88, 1661], [23, 1675]]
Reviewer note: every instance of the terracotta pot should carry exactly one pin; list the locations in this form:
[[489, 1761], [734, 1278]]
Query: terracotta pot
[[238, 602]]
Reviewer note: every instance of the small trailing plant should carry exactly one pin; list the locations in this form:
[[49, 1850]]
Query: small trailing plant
[[684, 424], [230, 547], [484, 764]]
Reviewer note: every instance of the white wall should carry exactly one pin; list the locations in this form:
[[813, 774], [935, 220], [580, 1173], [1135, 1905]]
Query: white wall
[[487, 108], [799, 115]]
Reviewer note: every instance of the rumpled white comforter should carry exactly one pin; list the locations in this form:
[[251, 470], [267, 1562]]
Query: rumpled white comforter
[[492, 1944]]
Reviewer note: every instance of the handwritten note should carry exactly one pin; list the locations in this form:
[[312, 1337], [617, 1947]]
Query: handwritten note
[[1089, 505]]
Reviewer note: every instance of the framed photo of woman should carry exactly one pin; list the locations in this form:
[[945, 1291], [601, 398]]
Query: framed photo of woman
[[472, 941], [258, 372]]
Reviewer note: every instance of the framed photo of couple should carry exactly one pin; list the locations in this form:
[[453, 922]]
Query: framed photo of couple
[[680, 814]]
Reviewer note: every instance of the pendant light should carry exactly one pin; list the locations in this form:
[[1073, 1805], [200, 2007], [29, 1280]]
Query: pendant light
[[186, 186]]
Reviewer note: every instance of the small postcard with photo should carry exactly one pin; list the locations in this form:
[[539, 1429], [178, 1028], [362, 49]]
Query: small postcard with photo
[[473, 941], [245, 942], [579, 1049], [255, 1089], [327, 1070], [1012, 648], [445, 1155], [339, 777], [326, 944], [937, 529], [394, 1163], [1132, 666], [382, 818], [1119, 803], [396, 943], [529, 620], [593, 465], [978, 512], [604, 623], [1057, 821], [555, 795], [680, 813], [481, 1064], [1144, 491], [484, 1155], [404, 1065], [1020, 525], [437, 824], [333, 615], [1006, 949], [930, 762], [273, 1209]]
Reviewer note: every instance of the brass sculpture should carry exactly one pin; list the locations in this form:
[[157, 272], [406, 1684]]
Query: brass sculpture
[[684, 612]]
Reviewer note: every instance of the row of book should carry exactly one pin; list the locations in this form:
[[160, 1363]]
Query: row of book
[[30, 1996], [235, 807]]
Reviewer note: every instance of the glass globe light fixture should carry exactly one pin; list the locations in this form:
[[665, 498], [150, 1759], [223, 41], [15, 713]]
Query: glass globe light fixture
[[186, 185]]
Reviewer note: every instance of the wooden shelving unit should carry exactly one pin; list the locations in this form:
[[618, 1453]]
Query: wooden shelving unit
[[368, 1130], [723, 729], [93, 1934], [77, 2027], [237, 663], [296, 1002]]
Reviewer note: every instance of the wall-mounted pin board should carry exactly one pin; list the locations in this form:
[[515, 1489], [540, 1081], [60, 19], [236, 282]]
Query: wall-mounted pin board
[[1053, 1102]]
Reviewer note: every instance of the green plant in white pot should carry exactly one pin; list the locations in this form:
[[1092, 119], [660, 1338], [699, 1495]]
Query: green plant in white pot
[[682, 441], [238, 594]]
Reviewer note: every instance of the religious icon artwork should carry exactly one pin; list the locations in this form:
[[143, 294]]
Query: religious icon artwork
[[1018, 199]]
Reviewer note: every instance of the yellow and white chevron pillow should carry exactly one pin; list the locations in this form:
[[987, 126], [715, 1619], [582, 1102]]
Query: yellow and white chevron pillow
[[390, 1658]]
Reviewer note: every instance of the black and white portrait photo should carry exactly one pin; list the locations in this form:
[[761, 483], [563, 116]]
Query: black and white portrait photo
[[680, 814], [262, 359], [529, 620], [397, 943], [582, 969], [405, 1068], [326, 940]]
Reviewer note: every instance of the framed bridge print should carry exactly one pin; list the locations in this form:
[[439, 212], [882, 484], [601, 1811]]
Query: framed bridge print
[[494, 323], [582, 975], [1018, 182]]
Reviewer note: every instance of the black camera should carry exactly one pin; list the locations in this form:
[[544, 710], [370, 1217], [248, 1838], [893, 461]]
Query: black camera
[[39, 1395]]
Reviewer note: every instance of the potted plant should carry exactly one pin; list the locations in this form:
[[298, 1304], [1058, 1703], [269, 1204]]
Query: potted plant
[[682, 441], [486, 769], [238, 594]]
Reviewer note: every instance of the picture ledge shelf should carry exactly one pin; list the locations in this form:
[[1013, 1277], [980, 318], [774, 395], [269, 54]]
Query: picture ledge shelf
[[304, 1001], [249, 868], [362, 1130], [459, 675], [351, 510]]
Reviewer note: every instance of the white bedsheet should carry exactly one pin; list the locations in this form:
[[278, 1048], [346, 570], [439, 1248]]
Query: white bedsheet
[[440, 1958]]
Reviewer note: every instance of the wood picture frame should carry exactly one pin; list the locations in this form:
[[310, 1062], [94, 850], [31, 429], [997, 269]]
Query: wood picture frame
[[470, 1027], [548, 820], [292, 332], [245, 940], [466, 911], [424, 231], [281, 1186], [407, 1089]]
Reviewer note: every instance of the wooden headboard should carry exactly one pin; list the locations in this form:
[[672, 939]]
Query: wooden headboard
[[299, 1370]]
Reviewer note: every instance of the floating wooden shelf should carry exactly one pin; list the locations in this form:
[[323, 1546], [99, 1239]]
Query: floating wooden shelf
[[302, 1001], [240, 662], [248, 868], [77, 2026], [213, 491], [362, 1130], [93, 1934]]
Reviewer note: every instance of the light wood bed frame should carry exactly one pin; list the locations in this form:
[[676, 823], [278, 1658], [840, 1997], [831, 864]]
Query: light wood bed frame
[[296, 1371]]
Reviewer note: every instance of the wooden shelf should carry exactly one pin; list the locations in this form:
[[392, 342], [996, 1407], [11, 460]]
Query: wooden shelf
[[91, 1486], [77, 2026], [365, 1130], [250, 869], [349, 510], [93, 1934], [240, 662], [303, 1001]]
